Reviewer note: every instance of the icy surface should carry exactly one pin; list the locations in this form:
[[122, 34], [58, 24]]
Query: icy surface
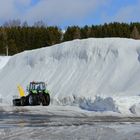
[[78, 71]]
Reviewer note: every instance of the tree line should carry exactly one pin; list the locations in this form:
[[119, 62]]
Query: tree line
[[18, 37]]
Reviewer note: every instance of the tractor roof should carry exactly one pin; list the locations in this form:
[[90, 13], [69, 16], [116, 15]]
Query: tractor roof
[[34, 82]]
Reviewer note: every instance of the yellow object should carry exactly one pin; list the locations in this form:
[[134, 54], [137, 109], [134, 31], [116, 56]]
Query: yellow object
[[21, 91]]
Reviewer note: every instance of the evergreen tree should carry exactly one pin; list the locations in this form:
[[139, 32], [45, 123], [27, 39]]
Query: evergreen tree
[[85, 32], [135, 33], [3, 41], [71, 33], [20, 37]]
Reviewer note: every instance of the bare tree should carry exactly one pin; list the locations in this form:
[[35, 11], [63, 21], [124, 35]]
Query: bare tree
[[12, 23], [25, 24], [39, 24]]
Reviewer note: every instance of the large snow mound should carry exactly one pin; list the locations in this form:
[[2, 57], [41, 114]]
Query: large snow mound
[[107, 67]]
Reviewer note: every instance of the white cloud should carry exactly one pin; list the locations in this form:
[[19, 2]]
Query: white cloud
[[10, 9], [7, 9], [59, 12], [128, 13], [23, 2], [56, 11], [52, 11]]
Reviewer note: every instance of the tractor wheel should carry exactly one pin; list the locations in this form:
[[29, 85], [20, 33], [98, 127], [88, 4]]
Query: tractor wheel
[[16, 102], [23, 101], [47, 98], [43, 100], [32, 99], [27, 100]]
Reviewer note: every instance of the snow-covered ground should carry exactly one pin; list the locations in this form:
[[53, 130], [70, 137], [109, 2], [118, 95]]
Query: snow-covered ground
[[74, 132], [81, 132], [93, 74], [61, 123]]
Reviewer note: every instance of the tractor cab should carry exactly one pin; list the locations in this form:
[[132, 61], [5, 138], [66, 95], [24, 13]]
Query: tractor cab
[[37, 86]]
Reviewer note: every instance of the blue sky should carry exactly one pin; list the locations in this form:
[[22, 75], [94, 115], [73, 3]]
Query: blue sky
[[70, 12]]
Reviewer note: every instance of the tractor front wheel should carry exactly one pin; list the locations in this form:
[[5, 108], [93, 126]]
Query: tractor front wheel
[[23, 101], [32, 99]]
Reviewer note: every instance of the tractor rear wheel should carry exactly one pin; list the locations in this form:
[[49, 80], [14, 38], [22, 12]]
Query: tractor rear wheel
[[45, 99]]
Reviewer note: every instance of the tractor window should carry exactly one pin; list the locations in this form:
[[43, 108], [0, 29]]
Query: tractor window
[[32, 86], [42, 86], [37, 86]]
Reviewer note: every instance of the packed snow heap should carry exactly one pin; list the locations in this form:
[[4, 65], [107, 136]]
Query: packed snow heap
[[80, 72]]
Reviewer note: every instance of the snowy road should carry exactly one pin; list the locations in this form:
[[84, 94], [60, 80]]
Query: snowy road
[[21, 124], [35, 120]]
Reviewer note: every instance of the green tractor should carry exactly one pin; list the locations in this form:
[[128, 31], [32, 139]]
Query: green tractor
[[37, 95]]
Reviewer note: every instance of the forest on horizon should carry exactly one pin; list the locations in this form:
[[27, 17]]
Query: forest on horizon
[[18, 37]]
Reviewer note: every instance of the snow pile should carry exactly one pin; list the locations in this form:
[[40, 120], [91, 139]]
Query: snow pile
[[3, 61], [135, 109], [90, 104], [99, 104], [86, 68]]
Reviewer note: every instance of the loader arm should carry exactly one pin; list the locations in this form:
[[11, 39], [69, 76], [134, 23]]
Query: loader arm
[[21, 91]]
